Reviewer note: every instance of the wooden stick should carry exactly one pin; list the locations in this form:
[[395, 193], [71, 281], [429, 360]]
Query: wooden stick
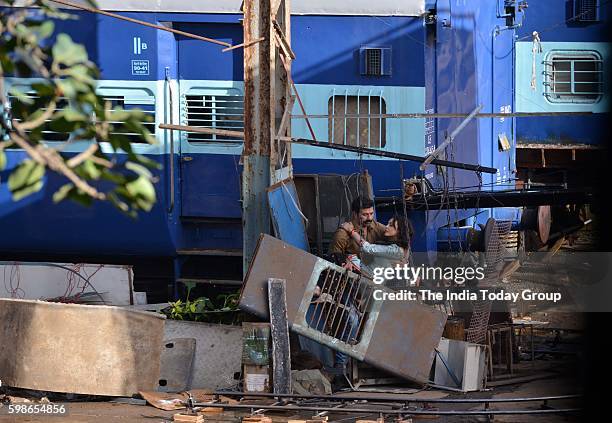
[[199, 130], [245, 45], [297, 95], [282, 41]]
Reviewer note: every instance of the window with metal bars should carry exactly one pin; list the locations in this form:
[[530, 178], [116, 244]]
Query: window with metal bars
[[360, 131], [342, 307], [225, 112], [131, 104], [574, 77], [51, 134], [586, 10]]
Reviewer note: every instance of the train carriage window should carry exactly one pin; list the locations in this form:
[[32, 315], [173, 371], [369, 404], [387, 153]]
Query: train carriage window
[[362, 131], [225, 112], [132, 104], [51, 134], [574, 77], [48, 133]]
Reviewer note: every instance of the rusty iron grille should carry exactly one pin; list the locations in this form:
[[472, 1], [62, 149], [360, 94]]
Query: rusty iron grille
[[342, 308], [359, 131], [214, 111]]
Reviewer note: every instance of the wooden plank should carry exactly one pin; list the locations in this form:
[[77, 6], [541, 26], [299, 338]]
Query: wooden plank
[[188, 418], [281, 355]]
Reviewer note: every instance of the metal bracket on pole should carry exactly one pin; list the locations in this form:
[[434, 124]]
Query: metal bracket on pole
[[450, 138]]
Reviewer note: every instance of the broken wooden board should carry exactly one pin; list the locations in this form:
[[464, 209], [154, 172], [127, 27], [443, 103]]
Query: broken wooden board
[[256, 419], [176, 363], [188, 418]]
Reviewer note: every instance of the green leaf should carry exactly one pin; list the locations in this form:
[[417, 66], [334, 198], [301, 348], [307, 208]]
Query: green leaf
[[26, 179], [45, 29], [62, 193], [68, 53], [21, 95], [143, 188], [91, 170], [72, 115], [139, 169]]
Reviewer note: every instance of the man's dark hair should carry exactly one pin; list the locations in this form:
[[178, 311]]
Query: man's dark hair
[[360, 203]]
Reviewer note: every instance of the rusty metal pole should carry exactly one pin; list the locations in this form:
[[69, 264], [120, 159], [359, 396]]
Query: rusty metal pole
[[265, 91]]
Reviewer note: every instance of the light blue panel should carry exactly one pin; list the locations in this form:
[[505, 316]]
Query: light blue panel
[[403, 135], [286, 216], [141, 92], [207, 87], [528, 100]]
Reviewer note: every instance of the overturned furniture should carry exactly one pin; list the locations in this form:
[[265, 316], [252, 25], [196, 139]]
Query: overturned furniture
[[83, 349], [399, 337]]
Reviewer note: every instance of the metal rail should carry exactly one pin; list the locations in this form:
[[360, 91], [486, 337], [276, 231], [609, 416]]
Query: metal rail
[[326, 144], [439, 115], [381, 411], [392, 155], [486, 199], [332, 398]]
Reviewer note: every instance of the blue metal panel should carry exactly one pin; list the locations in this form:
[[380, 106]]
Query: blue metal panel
[[36, 224], [554, 20], [286, 215], [211, 185], [563, 130], [202, 60], [327, 49]]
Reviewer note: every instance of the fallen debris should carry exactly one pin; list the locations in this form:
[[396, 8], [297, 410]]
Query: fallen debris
[[310, 382], [178, 401], [80, 349], [188, 418], [398, 337]]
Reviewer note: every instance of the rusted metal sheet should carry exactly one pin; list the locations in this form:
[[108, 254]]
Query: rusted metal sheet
[[396, 336], [84, 349]]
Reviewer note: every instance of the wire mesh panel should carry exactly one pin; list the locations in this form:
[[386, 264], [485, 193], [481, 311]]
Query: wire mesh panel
[[498, 233]]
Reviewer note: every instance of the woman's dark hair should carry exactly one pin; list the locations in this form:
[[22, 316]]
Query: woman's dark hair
[[405, 230]]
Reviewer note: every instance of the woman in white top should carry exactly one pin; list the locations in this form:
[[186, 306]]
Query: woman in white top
[[398, 234]]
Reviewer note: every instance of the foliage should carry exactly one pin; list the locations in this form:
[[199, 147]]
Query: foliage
[[202, 309], [63, 99]]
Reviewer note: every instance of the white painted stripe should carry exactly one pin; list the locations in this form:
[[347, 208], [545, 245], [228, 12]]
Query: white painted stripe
[[299, 7]]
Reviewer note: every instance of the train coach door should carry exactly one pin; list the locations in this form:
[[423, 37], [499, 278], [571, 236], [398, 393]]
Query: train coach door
[[211, 96]]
